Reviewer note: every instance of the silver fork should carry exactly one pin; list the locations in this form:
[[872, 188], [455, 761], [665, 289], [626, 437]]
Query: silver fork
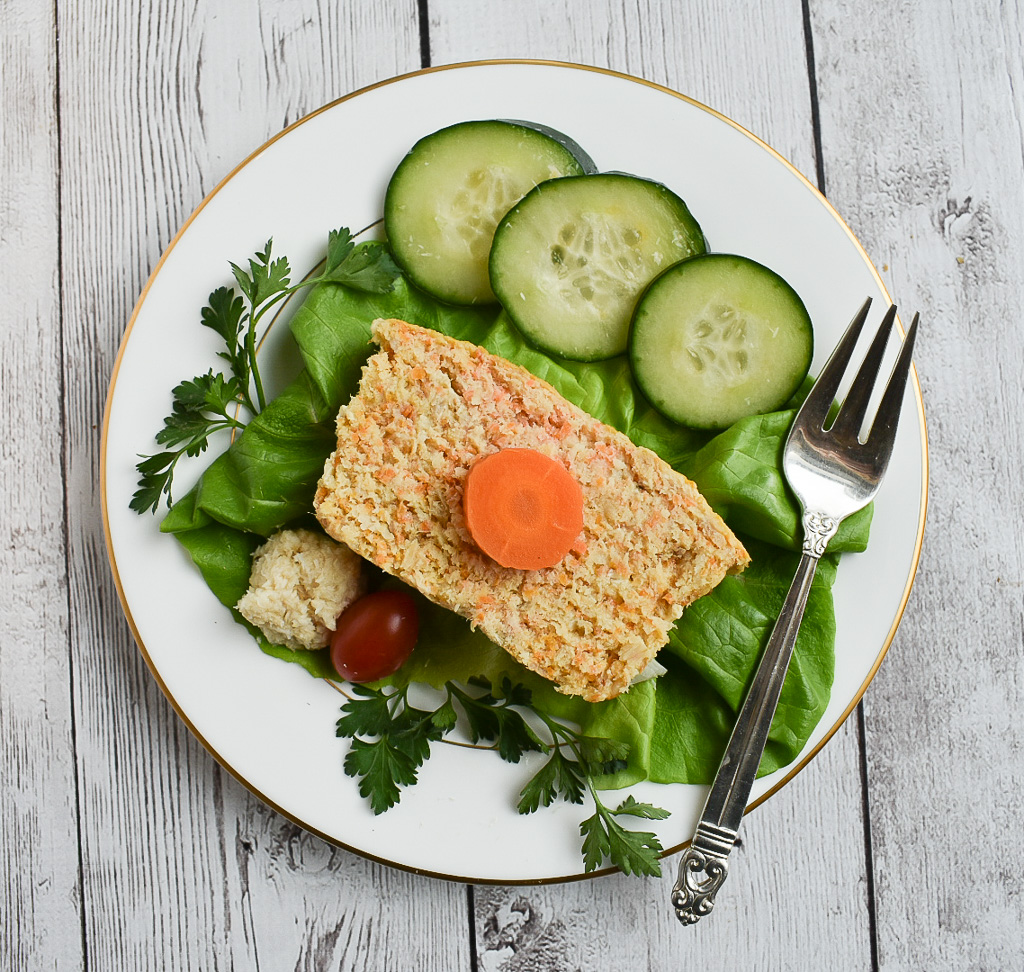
[[833, 473]]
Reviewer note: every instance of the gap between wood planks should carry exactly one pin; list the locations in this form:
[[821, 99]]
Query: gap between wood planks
[[869, 864], [424, 28], [421, 9], [66, 513]]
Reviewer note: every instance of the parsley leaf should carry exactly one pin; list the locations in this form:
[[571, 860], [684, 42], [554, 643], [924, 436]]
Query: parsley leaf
[[402, 744], [391, 740], [200, 407], [339, 246], [156, 481], [198, 397], [413, 732], [212, 402], [382, 767], [492, 718], [631, 808], [445, 717], [367, 715], [369, 269], [559, 776], [265, 279], [604, 838], [223, 313]]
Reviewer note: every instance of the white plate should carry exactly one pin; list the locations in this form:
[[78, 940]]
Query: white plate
[[269, 723]]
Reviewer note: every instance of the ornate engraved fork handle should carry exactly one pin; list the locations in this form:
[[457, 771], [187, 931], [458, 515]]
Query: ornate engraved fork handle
[[705, 863], [693, 895]]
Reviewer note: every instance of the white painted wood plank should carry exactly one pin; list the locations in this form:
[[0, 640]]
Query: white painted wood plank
[[802, 865], [40, 921], [921, 126], [937, 147], [796, 874], [746, 60], [183, 868], [307, 905]]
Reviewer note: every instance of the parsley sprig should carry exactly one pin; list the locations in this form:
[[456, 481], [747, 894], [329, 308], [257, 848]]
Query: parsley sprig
[[211, 403], [390, 741]]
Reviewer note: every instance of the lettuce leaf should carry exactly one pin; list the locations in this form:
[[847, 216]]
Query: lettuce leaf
[[739, 472], [677, 725]]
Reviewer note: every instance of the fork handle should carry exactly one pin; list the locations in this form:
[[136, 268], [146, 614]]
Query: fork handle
[[693, 896]]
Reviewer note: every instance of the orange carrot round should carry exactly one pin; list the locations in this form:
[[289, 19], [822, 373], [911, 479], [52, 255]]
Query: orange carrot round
[[523, 509]]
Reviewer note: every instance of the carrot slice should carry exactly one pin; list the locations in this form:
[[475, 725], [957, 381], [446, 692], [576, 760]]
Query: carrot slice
[[523, 509]]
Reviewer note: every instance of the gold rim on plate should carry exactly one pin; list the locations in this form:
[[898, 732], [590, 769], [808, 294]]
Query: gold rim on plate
[[135, 313]]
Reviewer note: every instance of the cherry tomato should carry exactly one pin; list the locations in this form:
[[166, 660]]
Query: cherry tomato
[[375, 635]]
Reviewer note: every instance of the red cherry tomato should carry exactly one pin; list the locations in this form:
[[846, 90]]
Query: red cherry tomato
[[375, 636]]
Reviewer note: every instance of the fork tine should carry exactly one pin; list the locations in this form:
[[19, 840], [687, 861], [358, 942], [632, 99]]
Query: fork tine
[[855, 407], [883, 428], [819, 401]]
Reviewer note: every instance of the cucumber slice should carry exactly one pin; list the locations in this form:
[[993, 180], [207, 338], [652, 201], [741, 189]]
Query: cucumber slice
[[570, 260], [717, 338], [449, 192]]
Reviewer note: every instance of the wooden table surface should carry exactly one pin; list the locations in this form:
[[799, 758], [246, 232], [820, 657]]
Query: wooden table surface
[[126, 846]]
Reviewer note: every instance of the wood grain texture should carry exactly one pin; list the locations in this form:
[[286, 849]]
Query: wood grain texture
[[802, 865], [183, 868], [40, 920], [921, 116], [798, 870], [746, 60], [127, 847]]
